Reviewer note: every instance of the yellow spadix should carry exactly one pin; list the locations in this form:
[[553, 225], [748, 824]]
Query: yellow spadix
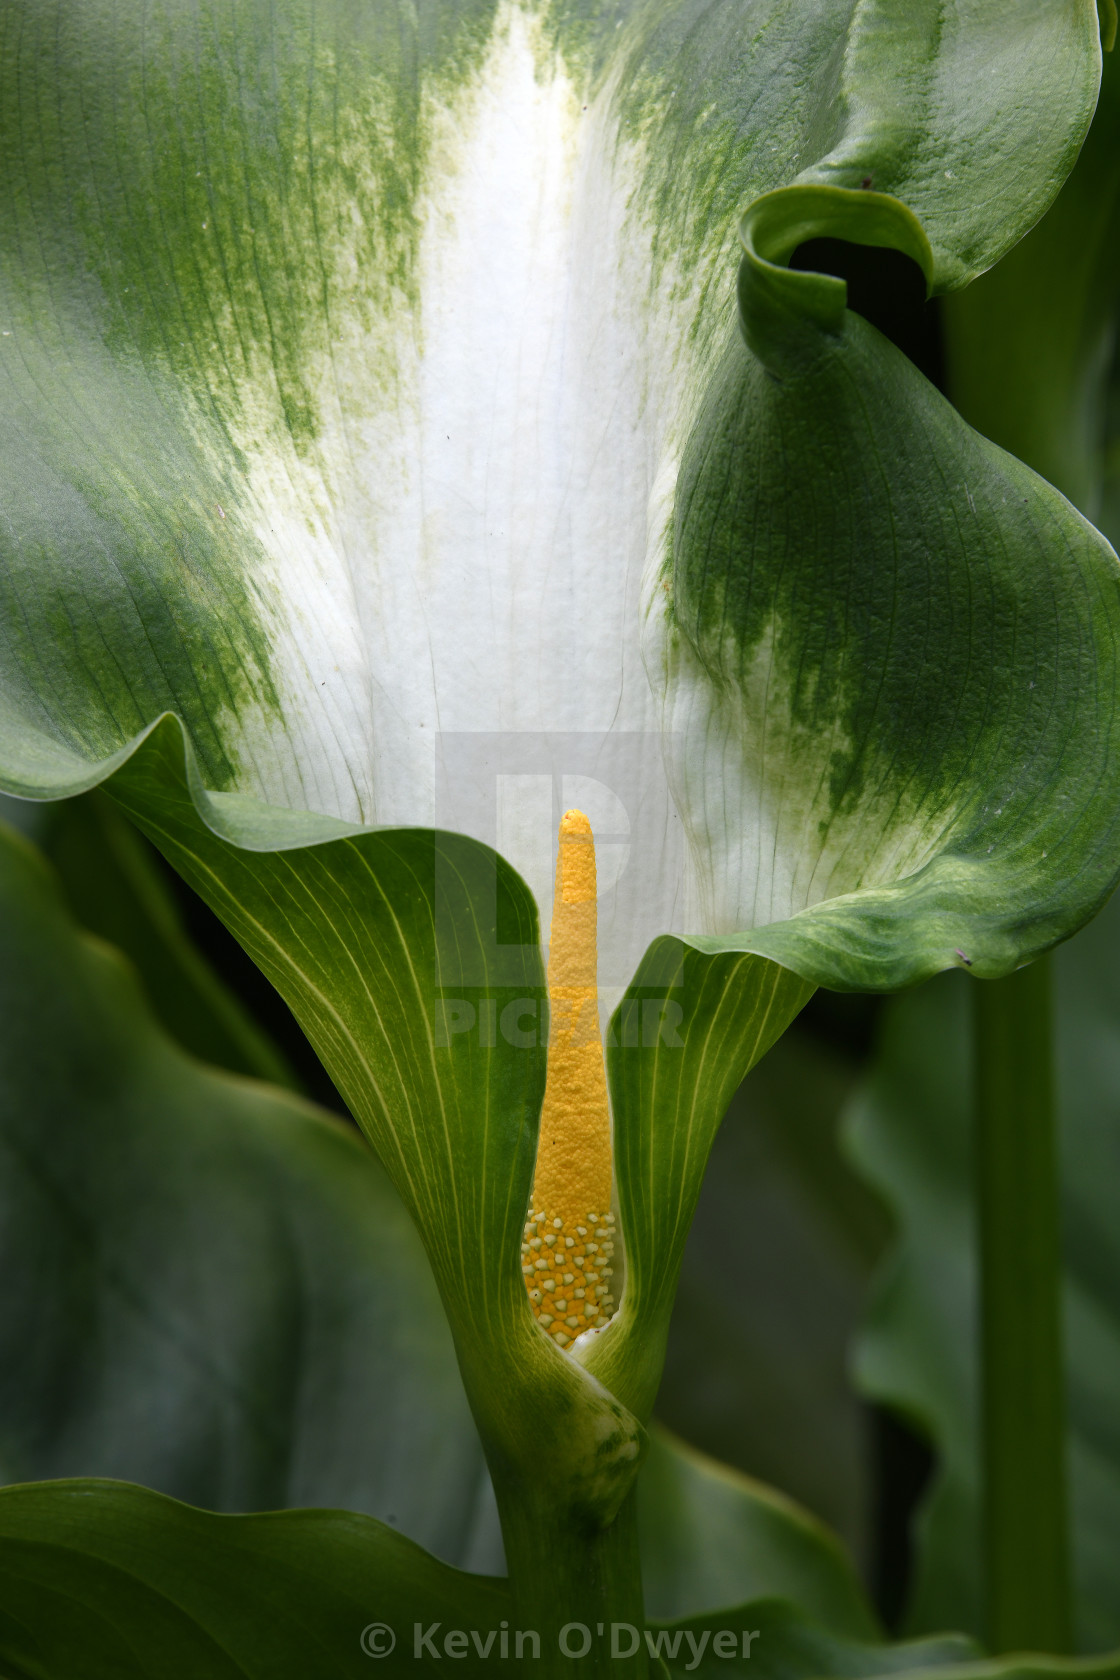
[[569, 1236]]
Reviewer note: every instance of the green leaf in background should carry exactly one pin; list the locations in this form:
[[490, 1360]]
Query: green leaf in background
[[116, 1583], [787, 1646], [93, 1565], [353, 355], [1030, 345], [774, 1284], [1110, 487], [1028, 351], [211, 1286], [115, 887], [911, 1136], [707, 1531]]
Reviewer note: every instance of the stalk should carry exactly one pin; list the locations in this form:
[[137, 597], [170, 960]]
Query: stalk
[[575, 1585], [1025, 1513]]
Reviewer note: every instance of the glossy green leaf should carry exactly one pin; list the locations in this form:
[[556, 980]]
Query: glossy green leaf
[[787, 1647], [116, 1583], [138, 1583], [374, 401], [211, 1286], [911, 1134], [115, 888], [110, 1580], [713, 1537]]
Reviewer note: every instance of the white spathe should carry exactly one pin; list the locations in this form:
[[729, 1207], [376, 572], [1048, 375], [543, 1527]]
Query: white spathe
[[458, 566]]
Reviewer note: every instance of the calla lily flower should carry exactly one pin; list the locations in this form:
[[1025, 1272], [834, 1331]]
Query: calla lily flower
[[413, 422]]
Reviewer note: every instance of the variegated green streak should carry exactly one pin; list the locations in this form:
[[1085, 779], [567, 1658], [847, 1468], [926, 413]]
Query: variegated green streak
[[378, 374]]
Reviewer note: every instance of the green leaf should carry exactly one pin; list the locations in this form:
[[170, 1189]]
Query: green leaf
[[211, 1286], [1028, 346], [117, 1583], [112, 1582], [25, 818], [911, 1135], [712, 1537], [788, 1647], [774, 1285], [114, 886], [367, 481], [1109, 517]]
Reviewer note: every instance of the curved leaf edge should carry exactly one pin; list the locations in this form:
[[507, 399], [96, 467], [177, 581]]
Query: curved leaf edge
[[842, 1606], [356, 1524]]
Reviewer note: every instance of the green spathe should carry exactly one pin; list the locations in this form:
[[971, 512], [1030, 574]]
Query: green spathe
[[372, 938]]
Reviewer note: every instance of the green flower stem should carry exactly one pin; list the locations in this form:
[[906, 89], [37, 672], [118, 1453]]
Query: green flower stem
[[564, 1571], [1026, 1535]]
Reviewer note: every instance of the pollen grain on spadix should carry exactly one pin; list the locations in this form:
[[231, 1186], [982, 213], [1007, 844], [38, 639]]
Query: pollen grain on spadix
[[569, 1235]]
